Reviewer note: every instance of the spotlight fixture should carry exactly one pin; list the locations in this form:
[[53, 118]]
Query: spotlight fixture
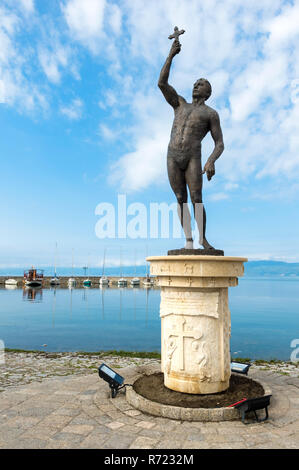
[[254, 404], [241, 368], [115, 381]]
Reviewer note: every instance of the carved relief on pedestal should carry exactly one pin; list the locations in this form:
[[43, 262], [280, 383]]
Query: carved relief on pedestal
[[180, 354], [201, 359], [175, 341], [189, 302], [188, 268]]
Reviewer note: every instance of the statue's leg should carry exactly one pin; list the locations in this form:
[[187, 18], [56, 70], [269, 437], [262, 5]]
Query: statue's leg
[[178, 184], [194, 181]]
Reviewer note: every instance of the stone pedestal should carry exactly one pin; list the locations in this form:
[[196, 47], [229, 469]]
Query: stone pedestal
[[195, 320]]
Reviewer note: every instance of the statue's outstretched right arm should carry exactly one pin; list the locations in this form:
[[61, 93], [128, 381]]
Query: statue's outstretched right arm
[[168, 91]]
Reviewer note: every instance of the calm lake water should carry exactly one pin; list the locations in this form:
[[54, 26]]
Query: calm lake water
[[264, 314]]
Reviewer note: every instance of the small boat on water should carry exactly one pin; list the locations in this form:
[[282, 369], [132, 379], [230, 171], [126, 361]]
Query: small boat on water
[[71, 282], [33, 277], [11, 282], [122, 282], [104, 281], [11, 286], [135, 282], [147, 282], [55, 281]]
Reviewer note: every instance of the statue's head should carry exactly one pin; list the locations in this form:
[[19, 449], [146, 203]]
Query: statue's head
[[202, 89]]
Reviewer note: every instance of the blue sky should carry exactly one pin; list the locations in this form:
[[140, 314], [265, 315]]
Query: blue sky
[[82, 120]]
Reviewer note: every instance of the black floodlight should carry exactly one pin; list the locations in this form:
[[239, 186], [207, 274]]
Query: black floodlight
[[241, 368], [114, 380], [254, 404]]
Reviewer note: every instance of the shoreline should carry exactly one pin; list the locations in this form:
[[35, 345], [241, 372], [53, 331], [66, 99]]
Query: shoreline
[[22, 367]]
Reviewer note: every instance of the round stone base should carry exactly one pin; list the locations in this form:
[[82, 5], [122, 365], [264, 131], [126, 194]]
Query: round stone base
[[180, 406]]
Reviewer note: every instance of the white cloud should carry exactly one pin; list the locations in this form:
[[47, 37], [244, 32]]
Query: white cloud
[[74, 110], [146, 164], [114, 18], [85, 20], [28, 5], [107, 133], [218, 197], [15, 87], [51, 61]]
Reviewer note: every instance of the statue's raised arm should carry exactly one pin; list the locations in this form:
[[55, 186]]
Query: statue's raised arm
[[168, 91]]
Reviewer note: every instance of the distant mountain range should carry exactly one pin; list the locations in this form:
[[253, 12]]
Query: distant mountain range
[[271, 268], [252, 269]]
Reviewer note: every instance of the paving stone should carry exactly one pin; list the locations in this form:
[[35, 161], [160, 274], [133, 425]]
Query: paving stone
[[152, 433], [26, 444], [142, 442], [130, 429], [84, 419], [115, 425], [55, 421], [167, 443], [65, 411], [21, 422], [70, 439], [94, 441], [132, 412], [118, 441], [145, 424], [39, 432], [78, 429]]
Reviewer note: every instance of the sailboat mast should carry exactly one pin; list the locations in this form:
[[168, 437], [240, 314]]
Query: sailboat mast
[[120, 263], [55, 260], [104, 262], [73, 262]]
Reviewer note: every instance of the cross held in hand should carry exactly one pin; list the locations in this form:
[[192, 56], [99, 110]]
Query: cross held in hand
[[176, 33]]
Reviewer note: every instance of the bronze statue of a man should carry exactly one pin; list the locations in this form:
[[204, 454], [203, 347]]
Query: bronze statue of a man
[[192, 121]]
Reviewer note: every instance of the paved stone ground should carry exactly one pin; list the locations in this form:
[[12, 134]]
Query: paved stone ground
[[22, 368], [77, 412]]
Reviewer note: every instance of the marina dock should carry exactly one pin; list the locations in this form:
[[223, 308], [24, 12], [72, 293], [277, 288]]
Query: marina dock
[[95, 280]]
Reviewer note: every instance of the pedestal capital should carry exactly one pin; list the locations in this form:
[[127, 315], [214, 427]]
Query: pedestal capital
[[195, 271]]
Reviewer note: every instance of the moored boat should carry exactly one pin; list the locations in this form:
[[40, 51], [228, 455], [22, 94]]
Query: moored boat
[[71, 282], [135, 282], [55, 281], [122, 282], [104, 281], [11, 282], [147, 282], [33, 277]]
